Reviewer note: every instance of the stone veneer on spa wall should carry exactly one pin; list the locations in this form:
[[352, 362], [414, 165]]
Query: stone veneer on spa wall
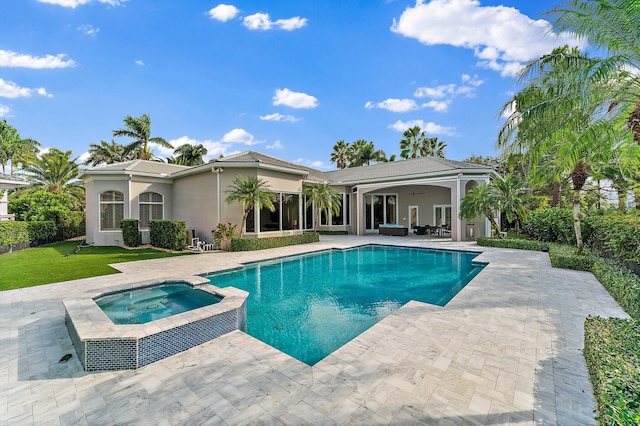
[[103, 345]]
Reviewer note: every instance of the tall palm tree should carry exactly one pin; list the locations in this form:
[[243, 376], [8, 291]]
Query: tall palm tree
[[432, 147], [13, 148], [190, 155], [340, 154], [481, 200], [362, 153], [251, 192], [139, 129], [55, 172], [108, 153], [412, 142], [325, 199]]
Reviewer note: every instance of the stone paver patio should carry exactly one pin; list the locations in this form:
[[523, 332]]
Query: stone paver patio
[[506, 350]]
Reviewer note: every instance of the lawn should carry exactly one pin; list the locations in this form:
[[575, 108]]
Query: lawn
[[57, 262]]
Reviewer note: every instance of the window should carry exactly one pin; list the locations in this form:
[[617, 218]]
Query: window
[[442, 215], [151, 207], [111, 210], [290, 211], [285, 217], [308, 214]]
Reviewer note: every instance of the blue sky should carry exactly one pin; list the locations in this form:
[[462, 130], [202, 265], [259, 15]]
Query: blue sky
[[287, 78]]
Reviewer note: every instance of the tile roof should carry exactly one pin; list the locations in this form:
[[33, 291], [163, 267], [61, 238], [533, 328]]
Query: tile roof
[[410, 167], [257, 157], [11, 179], [139, 166]]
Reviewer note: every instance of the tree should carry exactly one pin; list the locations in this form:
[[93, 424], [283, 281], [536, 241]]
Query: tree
[[139, 129], [340, 154], [325, 199], [13, 148], [412, 143], [251, 192], [362, 153], [108, 153], [189, 155], [481, 200], [509, 198], [432, 147], [57, 173]]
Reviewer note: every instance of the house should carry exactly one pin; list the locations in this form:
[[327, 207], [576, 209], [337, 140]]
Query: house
[[420, 191], [8, 182]]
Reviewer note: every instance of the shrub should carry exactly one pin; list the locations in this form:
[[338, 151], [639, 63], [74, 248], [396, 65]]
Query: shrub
[[565, 257], [615, 235], [71, 224], [511, 243], [169, 234], [223, 234], [41, 231], [131, 235], [333, 232], [13, 234], [622, 284], [550, 225], [249, 244], [612, 354]]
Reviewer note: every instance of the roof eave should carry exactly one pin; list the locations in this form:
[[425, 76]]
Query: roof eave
[[443, 173]]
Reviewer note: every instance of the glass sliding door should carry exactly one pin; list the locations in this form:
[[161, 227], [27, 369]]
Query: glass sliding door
[[442, 215], [380, 209]]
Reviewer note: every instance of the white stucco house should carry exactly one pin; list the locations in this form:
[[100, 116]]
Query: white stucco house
[[408, 193], [8, 182]]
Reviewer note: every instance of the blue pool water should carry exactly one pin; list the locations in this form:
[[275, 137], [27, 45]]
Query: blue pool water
[[145, 304], [308, 306]]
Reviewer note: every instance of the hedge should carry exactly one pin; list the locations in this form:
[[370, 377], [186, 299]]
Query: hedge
[[41, 231], [512, 243], [13, 233], [169, 234], [614, 235], [131, 235], [565, 257], [622, 284], [249, 244], [612, 354], [551, 225]]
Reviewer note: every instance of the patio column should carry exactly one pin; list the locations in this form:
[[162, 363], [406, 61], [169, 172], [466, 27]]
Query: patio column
[[358, 211]]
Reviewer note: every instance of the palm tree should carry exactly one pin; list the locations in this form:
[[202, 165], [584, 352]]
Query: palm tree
[[509, 197], [190, 155], [108, 153], [412, 142], [553, 123], [139, 129], [432, 147], [55, 172], [362, 153], [13, 148], [325, 199], [251, 192], [340, 154], [481, 200]]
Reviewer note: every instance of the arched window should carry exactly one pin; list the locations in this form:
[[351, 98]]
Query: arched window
[[111, 210], [150, 207]]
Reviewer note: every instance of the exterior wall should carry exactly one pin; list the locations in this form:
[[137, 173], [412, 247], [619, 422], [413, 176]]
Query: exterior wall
[[93, 190], [4, 201], [195, 200]]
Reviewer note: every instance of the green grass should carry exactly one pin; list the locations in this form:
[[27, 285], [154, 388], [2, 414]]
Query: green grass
[[48, 264]]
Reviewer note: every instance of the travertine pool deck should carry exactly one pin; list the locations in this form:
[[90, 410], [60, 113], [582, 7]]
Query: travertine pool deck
[[506, 350]]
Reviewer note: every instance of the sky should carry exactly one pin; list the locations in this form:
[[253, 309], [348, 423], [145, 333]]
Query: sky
[[286, 78]]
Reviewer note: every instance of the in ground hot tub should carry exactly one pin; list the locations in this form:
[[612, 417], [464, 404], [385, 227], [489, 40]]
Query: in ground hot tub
[[188, 312]]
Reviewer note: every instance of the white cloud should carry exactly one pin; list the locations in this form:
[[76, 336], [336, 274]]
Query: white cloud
[[438, 106], [240, 136], [9, 89], [294, 99], [83, 157], [214, 148], [501, 37], [279, 117], [275, 145], [4, 110], [139, 62], [89, 30], [429, 128], [262, 21], [316, 164], [75, 3], [223, 12], [14, 60], [394, 105]]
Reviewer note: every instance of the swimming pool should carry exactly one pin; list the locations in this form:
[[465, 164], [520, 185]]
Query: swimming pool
[[309, 305]]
